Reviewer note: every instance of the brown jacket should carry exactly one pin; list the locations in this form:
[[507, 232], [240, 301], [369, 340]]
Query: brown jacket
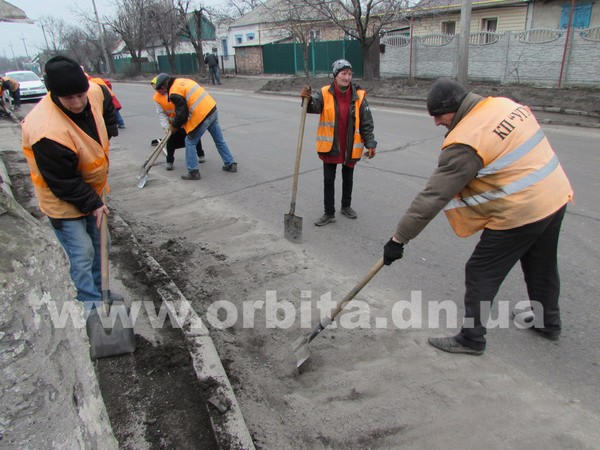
[[457, 166]]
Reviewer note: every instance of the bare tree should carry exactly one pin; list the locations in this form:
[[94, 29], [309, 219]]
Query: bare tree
[[167, 27], [362, 20], [192, 21], [54, 30], [296, 20], [131, 25], [237, 8]]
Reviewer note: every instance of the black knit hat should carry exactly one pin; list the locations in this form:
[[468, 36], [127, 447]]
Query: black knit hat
[[65, 77], [445, 96]]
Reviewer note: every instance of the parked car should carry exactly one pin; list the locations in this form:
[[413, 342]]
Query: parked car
[[32, 88]]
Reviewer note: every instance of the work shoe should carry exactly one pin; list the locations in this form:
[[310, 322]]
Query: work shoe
[[191, 175], [552, 334], [201, 159], [349, 212], [451, 345], [169, 166], [230, 167], [325, 219]]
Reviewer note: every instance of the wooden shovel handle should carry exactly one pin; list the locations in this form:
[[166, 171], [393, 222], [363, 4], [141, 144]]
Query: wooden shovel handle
[[305, 102], [104, 269]]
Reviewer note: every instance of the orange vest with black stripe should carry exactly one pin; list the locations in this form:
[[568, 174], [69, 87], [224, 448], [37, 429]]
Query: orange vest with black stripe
[[13, 85], [326, 129], [199, 102], [165, 104], [48, 121], [521, 180]]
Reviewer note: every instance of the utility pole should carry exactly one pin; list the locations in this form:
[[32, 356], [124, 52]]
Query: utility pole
[[25, 45], [462, 74], [102, 43], [45, 38]]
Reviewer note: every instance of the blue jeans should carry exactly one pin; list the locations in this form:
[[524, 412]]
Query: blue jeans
[[120, 121], [211, 123], [214, 75], [81, 240]]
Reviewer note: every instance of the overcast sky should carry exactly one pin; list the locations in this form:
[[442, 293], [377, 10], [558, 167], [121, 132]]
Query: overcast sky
[[14, 34]]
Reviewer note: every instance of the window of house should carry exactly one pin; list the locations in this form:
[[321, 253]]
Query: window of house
[[238, 38], [490, 24], [250, 36], [224, 47], [449, 27], [315, 35], [581, 15]]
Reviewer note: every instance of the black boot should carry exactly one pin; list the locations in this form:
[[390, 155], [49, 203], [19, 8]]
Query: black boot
[[192, 175]]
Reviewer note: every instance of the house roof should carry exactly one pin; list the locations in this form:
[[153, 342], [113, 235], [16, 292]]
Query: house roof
[[265, 11], [10, 13], [456, 4]]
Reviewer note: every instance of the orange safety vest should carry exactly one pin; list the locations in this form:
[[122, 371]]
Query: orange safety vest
[[48, 121], [521, 180], [326, 129], [165, 104], [199, 102]]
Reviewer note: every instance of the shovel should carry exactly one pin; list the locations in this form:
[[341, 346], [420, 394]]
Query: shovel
[[301, 350], [116, 338], [143, 175], [293, 223]]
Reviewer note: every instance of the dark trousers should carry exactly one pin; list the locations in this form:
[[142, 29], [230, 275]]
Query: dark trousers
[[16, 95], [329, 171], [535, 245], [177, 140]]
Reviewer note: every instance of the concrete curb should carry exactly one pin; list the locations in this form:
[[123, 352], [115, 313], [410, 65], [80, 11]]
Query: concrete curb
[[225, 414]]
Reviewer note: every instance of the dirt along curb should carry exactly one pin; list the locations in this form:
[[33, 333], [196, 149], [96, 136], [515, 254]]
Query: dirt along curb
[[225, 414]]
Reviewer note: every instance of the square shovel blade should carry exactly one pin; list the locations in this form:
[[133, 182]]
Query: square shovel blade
[[112, 334], [293, 227]]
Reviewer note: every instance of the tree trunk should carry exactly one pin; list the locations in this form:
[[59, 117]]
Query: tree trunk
[[371, 60], [306, 65]]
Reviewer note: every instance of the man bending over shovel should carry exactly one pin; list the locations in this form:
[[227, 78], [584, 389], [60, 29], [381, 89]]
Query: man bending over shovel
[[65, 140], [498, 174]]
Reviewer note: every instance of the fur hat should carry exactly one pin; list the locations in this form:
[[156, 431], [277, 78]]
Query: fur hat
[[65, 77], [445, 96], [340, 65]]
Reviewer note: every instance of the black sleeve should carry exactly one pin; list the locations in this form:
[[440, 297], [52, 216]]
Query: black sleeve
[[110, 118], [315, 105], [58, 166], [181, 110]]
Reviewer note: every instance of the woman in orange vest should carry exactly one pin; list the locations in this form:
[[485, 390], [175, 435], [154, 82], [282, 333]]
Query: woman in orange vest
[[66, 141], [498, 174], [345, 129], [166, 112]]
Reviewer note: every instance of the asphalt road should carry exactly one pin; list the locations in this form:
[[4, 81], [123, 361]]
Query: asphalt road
[[262, 132]]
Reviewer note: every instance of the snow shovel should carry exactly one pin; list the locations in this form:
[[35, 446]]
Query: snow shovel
[[117, 337], [293, 223], [143, 175], [301, 344]]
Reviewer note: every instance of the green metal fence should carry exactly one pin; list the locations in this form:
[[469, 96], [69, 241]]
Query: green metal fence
[[185, 63], [289, 57]]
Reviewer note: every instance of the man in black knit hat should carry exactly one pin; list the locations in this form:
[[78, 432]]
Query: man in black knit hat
[[498, 174], [66, 143]]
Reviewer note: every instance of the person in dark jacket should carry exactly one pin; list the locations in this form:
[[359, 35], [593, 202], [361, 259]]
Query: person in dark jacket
[[13, 87], [66, 143], [195, 112], [342, 135], [213, 66], [498, 174]]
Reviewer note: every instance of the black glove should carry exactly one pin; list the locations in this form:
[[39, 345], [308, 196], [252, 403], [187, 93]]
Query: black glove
[[392, 251]]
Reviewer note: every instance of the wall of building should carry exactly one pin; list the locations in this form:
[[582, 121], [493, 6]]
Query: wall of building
[[511, 18], [546, 13], [516, 57]]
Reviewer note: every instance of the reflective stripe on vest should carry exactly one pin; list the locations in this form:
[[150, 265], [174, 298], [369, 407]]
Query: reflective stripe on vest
[[326, 129], [46, 120], [199, 102], [522, 180], [165, 104]]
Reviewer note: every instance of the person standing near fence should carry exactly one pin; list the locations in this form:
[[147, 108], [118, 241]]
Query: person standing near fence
[[213, 66]]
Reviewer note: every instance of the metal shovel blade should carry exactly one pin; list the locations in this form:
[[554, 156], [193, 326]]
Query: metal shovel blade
[[142, 181], [116, 340], [143, 171], [301, 351], [292, 227]]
